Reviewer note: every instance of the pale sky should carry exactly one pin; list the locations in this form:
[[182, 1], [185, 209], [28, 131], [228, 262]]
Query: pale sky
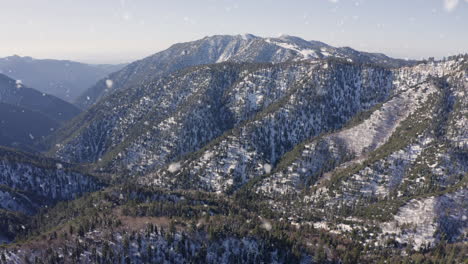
[[113, 31]]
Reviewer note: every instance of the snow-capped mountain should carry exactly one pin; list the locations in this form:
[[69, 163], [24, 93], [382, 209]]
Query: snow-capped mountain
[[292, 128], [222, 48], [237, 149], [145, 127]]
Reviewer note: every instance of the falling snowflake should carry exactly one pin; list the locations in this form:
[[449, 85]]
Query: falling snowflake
[[19, 83], [267, 168], [109, 84], [127, 16], [449, 5]]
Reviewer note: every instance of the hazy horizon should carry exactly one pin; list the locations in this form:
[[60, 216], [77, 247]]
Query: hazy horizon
[[124, 31]]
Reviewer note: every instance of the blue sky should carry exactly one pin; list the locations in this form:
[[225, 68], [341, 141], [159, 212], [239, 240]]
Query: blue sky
[[110, 31]]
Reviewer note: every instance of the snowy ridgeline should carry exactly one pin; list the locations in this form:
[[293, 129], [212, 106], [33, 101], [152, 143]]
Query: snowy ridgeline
[[187, 130], [397, 175], [272, 108], [225, 48], [183, 112], [216, 127], [302, 113], [326, 153], [145, 74], [350, 144]]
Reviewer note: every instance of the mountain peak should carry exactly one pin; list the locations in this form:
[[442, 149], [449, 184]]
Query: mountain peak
[[221, 48], [248, 36]]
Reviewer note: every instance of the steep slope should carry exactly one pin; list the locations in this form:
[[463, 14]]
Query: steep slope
[[142, 129], [27, 115], [310, 107], [21, 127], [221, 48], [319, 160], [28, 182], [15, 93], [12, 223], [61, 78], [402, 169]]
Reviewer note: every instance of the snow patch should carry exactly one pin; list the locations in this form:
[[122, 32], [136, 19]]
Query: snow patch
[[266, 225], [173, 167], [207, 155]]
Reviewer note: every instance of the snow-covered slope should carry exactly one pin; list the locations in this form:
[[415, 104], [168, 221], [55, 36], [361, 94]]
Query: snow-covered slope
[[311, 107], [273, 107], [403, 163], [222, 48], [313, 160], [28, 182]]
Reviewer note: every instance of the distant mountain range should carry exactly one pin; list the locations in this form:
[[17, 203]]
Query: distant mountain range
[[62, 78], [28, 115]]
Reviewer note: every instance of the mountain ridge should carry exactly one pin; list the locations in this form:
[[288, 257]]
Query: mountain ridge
[[236, 149], [29, 115], [64, 79], [219, 48]]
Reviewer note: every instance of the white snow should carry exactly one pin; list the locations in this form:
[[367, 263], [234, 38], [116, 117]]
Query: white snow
[[266, 224], [173, 167], [207, 155], [306, 53], [418, 218]]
